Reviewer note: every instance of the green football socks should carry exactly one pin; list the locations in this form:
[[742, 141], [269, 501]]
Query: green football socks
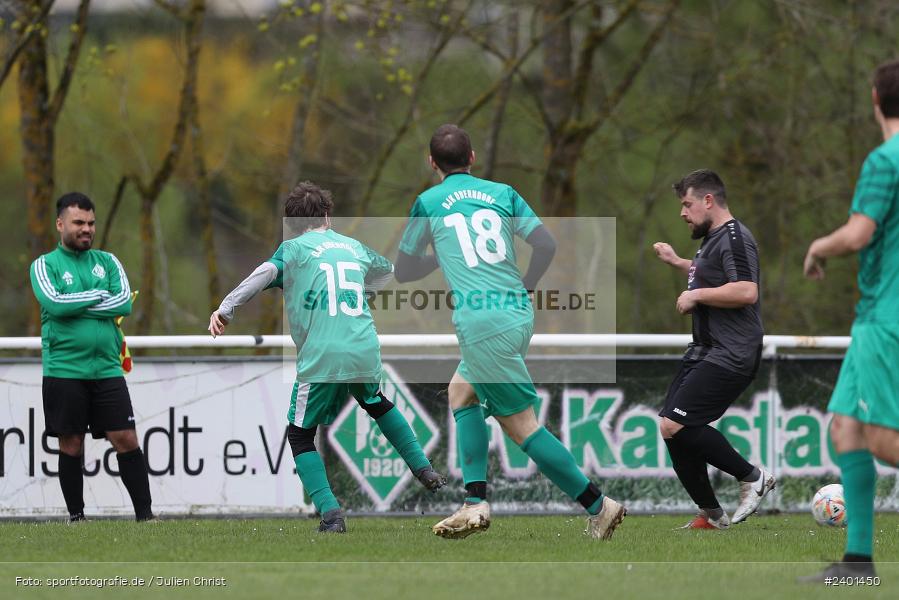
[[311, 470], [472, 442], [398, 432], [859, 479], [556, 462]]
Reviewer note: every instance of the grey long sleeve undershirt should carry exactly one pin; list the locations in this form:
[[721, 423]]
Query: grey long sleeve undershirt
[[374, 283], [266, 273], [257, 281]]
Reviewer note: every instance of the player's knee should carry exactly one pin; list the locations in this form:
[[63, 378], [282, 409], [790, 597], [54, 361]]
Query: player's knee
[[72, 445], [835, 429], [460, 396], [668, 427], [846, 434], [301, 440], [519, 434], [519, 426], [885, 447], [124, 440], [376, 406]]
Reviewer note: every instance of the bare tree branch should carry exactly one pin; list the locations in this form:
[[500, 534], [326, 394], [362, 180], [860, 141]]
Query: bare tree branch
[[567, 140], [533, 88], [116, 202], [19, 45], [271, 314], [529, 84], [513, 66], [173, 9], [305, 100], [385, 155], [204, 206], [636, 66], [192, 18], [496, 124], [535, 43], [593, 40], [68, 70]]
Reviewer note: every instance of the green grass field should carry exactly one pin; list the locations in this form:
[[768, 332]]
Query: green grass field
[[518, 558]]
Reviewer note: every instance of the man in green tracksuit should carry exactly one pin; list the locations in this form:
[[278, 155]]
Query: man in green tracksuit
[[81, 292]]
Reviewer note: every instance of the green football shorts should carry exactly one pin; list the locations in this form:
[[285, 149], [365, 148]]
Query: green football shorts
[[868, 385], [495, 368], [314, 404]]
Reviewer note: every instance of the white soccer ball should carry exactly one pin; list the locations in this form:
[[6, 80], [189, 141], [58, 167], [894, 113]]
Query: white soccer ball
[[829, 507]]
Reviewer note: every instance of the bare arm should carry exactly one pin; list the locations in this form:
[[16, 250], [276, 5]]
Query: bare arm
[[848, 239], [667, 255]]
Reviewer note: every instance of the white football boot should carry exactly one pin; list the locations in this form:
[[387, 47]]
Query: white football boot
[[471, 518], [751, 495], [602, 525]]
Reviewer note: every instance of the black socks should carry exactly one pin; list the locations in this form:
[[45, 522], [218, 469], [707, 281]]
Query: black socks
[[133, 469], [716, 450], [72, 483], [692, 472], [476, 490]]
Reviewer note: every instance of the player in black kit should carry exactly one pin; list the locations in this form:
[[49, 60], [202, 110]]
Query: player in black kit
[[722, 296]]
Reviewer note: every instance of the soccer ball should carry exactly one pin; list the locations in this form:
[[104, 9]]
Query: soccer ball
[[829, 507]]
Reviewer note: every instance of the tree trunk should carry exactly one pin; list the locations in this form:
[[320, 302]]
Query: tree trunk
[[502, 99], [271, 322], [192, 18], [564, 95], [557, 62], [558, 193], [148, 266], [204, 208], [36, 127]]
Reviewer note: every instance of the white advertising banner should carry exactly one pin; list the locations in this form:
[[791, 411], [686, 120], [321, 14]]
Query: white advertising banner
[[214, 433]]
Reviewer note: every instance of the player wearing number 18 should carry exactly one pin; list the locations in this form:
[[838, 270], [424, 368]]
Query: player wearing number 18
[[324, 275], [471, 224]]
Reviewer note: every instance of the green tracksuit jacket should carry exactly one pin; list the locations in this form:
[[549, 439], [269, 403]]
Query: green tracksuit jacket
[[81, 294]]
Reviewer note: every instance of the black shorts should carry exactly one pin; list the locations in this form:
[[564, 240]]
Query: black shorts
[[701, 392], [75, 406]]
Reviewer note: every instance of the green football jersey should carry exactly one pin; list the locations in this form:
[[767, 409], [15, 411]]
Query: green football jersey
[[877, 197], [323, 275], [471, 223], [81, 293]]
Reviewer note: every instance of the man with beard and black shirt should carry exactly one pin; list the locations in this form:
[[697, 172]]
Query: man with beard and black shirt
[[722, 296]]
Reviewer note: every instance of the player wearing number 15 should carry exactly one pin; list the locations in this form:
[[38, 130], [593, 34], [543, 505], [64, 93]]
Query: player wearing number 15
[[324, 275], [471, 224]]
